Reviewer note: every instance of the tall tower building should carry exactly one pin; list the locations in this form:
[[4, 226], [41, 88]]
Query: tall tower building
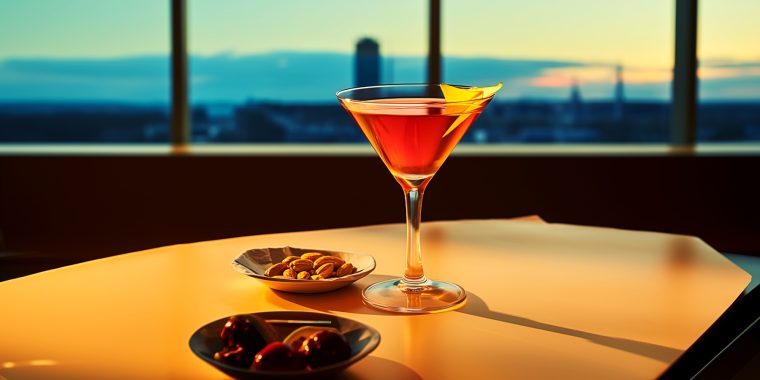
[[575, 109], [617, 112], [367, 63], [575, 94]]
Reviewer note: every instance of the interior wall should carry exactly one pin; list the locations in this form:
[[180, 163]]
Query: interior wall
[[83, 207]]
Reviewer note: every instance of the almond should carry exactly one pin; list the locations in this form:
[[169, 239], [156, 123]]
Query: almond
[[289, 273], [301, 265], [325, 270], [275, 270], [288, 259], [311, 256], [303, 275], [334, 260], [345, 269]]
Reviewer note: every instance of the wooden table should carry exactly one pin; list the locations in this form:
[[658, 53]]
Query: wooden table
[[544, 301]]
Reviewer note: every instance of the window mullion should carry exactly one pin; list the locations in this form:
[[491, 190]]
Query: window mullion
[[434, 42], [180, 132], [684, 107]]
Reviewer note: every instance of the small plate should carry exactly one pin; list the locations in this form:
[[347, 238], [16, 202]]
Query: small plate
[[362, 339], [255, 262]]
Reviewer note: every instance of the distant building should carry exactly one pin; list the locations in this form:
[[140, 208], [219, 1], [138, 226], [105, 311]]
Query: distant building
[[617, 112], [572, 112], [576, 103], [254, 124], [367, 63]]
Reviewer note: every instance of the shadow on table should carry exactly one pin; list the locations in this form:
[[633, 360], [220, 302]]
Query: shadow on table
[[348, 299], [388, 368], [477, 307]]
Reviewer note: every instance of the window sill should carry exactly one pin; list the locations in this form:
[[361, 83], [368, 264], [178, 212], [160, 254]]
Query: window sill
[[709, 149]]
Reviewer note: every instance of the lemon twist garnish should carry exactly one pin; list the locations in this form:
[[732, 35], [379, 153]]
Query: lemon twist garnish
[[477, 95]]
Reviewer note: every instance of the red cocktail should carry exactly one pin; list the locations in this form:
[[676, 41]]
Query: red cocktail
[[414, 128]]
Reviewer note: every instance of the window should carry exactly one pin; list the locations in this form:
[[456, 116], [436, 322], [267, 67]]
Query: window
[[729, 71], [574, 71], [581, 71], [267, 71], [84, 71]]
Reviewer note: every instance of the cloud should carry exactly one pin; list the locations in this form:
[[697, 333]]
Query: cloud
[[721, 80], [145, 67], [316, 76], [728, 63], [715, 72]]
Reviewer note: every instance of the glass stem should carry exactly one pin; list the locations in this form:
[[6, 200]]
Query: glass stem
[[413, 275]]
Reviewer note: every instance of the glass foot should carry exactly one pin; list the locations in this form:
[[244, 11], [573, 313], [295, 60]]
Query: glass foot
[[429, 297]]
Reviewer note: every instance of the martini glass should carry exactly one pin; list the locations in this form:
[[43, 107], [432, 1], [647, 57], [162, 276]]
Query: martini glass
[[414, 128]]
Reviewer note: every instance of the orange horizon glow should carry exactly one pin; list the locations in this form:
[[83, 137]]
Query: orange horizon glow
[[564, 77]]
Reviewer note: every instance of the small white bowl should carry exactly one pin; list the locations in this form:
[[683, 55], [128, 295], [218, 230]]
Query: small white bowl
[[254, 262]]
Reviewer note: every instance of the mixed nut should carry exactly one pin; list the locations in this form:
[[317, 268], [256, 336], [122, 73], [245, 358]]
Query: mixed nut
[[310, 266]]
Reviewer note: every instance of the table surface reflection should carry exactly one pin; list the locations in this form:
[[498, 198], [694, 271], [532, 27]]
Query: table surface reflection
[[544, 301]]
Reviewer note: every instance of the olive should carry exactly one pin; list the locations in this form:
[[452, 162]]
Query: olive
[[324, 348], [278, 356], [235, 355], [249, 331], [242, 337]]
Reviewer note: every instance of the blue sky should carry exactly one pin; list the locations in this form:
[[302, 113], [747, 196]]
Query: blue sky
[[629, 32], [116, 49]]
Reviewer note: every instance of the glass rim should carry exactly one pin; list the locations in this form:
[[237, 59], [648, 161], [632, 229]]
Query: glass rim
[[379, 101]]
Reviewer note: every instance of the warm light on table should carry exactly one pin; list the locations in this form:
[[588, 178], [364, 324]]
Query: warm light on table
[[543, 301]]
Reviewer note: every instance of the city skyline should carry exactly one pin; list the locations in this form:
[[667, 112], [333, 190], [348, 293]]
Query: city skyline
[[290, 77], [289, 97]]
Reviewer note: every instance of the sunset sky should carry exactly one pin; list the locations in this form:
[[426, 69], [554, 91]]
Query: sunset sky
[[636, 32], [599, 33]]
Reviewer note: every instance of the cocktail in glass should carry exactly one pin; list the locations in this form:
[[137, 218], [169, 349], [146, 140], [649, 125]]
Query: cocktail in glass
[[414, 128]]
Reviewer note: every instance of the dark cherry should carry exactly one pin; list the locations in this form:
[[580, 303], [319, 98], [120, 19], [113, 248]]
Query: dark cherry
[[297, 343], [247, 331], [242, 337], [324, 348], [278, 356], [235, 355]]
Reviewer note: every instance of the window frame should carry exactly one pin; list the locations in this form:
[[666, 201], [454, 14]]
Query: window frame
[[683, 102]]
